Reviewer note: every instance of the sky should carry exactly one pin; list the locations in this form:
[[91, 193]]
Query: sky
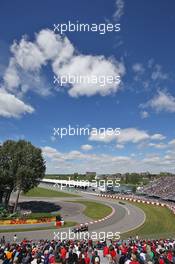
[[34, 105]]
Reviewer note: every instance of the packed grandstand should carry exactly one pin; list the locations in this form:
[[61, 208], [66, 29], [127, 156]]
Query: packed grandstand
[[87, 252], [163, 187]]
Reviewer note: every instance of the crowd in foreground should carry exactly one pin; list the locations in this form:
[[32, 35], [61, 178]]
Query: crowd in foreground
[[88, 252]]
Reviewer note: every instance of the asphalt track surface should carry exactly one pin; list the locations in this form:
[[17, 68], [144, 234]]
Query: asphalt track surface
[[125, 218]]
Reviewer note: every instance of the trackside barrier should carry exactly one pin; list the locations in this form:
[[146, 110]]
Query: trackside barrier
[[43, 220], [136, 200]]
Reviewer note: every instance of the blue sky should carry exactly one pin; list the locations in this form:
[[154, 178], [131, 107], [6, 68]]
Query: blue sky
[[142, 105]]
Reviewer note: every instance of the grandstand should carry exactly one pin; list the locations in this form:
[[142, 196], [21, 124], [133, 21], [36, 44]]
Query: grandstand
[[88, 252], [163, 188]]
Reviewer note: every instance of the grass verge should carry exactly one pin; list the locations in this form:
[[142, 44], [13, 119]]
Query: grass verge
[[42, 192], [159, 223], [95, 210]]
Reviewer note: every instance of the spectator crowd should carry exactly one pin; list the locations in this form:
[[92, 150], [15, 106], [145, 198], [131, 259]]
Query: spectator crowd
[[131, 251], [164, 187]]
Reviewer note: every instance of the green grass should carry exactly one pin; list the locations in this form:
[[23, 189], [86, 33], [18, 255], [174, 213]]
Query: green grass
[[42, 192], [39, 215], [159, 223], [30, 216], [13, 230], [95, 210]]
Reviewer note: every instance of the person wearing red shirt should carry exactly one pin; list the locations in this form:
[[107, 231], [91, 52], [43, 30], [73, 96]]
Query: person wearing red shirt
[[105, 251], [161, 261], [63, 252], [170, 256], [113, 254], [87, 259]]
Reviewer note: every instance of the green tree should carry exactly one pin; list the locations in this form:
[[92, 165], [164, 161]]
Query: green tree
[[7, 151], [21, 168]]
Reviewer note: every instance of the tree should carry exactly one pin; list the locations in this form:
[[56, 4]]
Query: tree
[[21, 167], [7, 151]]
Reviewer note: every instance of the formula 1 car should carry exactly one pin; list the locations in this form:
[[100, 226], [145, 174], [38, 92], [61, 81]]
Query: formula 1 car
[[81, 228]]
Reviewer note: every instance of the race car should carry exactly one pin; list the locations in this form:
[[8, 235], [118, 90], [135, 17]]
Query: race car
[[81, 228]]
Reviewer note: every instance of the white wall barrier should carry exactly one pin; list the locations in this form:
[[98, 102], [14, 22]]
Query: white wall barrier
[[172, 208]]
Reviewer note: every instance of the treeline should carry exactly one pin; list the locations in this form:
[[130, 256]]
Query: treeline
[[75, 177], [126, 178]]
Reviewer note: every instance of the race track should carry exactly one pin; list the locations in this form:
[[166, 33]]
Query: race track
[[125, 217]]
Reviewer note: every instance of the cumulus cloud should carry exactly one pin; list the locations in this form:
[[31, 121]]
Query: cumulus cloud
[[11, 77], [144, 114], [50, 49], [138, 68], [27, 55], [132, 135], [127, 135], [103, 137], [26, 65], [162, 101], [158, 146], [172, 143], [55, 155], [10, 106], [86, 147], [89, 66], [105, 163], [158, 137], [53, 46]]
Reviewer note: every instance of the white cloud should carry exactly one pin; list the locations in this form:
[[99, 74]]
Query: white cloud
[[87, 147], [88, 66], [11, 77], [120, 146], [162, 102], [172, 143], [10, 106], [138, 68], [103, 137], [158, 146], [25, 69], [74, 155], [127, 135], [29, 58], [158, 137], [148, 75], [158, 74], [27, 55], [120, 4], [53, 46], [144, 114], [105, 163], [132, 135], [52, 153]]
